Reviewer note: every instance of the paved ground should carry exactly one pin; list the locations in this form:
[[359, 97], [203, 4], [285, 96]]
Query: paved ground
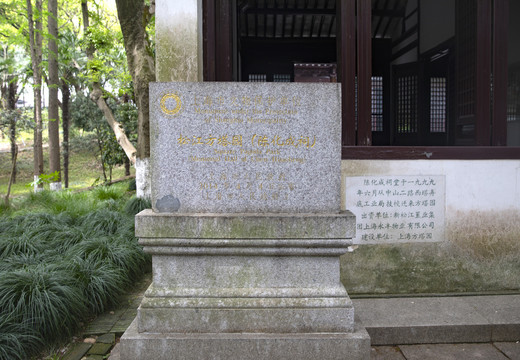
[[458, 328], [103, 333]]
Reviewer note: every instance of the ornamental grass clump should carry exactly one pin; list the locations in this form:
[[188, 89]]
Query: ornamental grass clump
[[136, 205], [44, 296], [17, 338], [104, 222], [63, 257], [100, 283]]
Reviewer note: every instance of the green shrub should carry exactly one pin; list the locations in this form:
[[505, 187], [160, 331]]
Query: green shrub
[[107, 192], [122, 253], [17, 338], [135, 205], [101, 283], [22, 244], [20, 261], [45, 296], [64, 257], [103, 221]]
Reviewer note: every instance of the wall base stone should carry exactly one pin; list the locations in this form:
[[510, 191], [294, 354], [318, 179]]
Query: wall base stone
[[245, 346], [245, 286]]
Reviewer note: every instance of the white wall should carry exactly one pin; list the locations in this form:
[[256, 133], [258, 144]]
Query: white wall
[[470, 184], [485, 186]]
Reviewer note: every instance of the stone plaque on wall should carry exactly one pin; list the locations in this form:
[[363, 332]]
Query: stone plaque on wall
[[397, 209], [241, 147]]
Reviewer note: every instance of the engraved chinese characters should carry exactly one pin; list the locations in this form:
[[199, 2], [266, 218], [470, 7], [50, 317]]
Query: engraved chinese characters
[[240, 147], [391, 209]]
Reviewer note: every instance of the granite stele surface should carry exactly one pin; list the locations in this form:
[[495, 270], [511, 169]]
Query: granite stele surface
[[246, 229], [242, 147]]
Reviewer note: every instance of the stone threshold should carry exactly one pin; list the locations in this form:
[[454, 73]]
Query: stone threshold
[[435, 320]]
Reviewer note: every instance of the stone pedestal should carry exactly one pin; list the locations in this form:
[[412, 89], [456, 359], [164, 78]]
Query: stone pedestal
[[245, 286]]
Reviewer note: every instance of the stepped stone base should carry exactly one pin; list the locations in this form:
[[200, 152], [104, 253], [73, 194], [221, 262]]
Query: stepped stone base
[[244, 346], [245, 286]]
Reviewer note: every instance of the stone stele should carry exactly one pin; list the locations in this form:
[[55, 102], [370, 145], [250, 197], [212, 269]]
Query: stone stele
[[238, 147], [246, 230]]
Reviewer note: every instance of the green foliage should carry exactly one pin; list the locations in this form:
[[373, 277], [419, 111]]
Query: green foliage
[[103, 221], [136, 205], [84, 114], [45, 179], [20, 118], [17, 338], [63, 256], [45, 296], [88, 117], [100, 283]]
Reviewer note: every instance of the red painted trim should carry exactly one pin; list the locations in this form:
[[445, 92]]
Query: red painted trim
[[500, 71], [346, 50], [208, 39], [224, 40], [483, 74], [364, 67]]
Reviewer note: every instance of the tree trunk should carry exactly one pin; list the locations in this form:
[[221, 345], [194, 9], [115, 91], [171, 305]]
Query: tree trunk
[[133, 17], [13, 170], [127, 167], [35, 40], [9, 86], [65, 94], [54, 120], [97, 96], [100, 147], [11, 105]]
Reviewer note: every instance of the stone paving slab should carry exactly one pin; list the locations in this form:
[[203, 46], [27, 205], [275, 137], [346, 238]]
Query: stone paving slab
[[386, 353], [510, 349], [77, 351], [104, 323], [422, 320], [107, 339], [501, 311], [451, 352], [95, 357], [100, 349]]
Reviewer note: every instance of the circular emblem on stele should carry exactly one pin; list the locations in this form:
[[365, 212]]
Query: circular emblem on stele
[[171, 104]]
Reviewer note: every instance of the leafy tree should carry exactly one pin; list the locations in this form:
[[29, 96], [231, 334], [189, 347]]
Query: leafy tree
[[97, 68], [134, 17], [54, 123], [87, 116], [13, 68], [35, 26]]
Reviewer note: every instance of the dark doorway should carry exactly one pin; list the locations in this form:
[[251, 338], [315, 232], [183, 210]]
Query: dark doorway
[[273, 36]]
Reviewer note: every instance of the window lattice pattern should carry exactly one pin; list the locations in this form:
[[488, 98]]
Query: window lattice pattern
[[466, 64], [282, 78], [257, 77], [513, 95], [377, 103], [407, 105], [438, 105]]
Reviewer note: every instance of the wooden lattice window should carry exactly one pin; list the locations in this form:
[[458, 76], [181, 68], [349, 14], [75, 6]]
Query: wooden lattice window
[[257, 77], [466, 28], [406, 119], [377, 103], [438, 105], [282, 77], [513, 94]]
